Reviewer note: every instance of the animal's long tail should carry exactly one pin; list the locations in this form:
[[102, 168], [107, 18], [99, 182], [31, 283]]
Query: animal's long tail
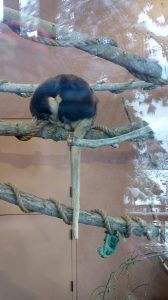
[[75, 183]]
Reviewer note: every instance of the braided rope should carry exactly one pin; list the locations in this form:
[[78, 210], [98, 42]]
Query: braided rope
[[107, 131], [44, 40], [128, 226], [100, 48], [162, 233], [105, 219], [18, 197], [19, 202], [60, 209], [128, 220], [104, 129], [142, 223]]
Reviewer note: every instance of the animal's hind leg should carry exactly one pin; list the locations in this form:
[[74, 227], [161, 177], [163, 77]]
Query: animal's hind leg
[[82, 128]]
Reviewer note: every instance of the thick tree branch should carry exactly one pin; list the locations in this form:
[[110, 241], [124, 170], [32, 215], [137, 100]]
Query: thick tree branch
[[148, 70], [25, 90], [140, 133], [52, 29], [131, 132], [46, 207], [161, 214]]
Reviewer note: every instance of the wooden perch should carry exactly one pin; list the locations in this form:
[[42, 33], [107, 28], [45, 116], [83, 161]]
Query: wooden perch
[[144, 69], [47, 207], [132, 132], [148, 70], [23, 90], [140, 133], [26, 90], [52, 29]]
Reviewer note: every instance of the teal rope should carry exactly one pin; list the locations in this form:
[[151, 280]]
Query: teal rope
[[110, 244]]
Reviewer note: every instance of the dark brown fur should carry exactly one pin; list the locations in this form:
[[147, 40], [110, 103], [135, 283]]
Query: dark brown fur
[[70, 100], [77, 99]]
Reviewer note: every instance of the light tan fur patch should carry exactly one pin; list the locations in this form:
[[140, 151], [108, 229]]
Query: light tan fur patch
[[54, 104]]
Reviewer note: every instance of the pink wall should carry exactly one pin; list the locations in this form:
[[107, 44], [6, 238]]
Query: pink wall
[[37, 259]]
